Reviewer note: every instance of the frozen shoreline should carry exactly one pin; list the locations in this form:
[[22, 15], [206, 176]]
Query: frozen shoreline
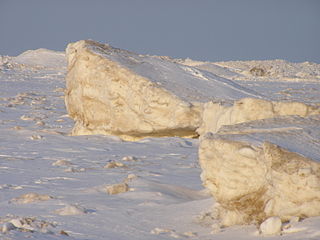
[[165, 201]]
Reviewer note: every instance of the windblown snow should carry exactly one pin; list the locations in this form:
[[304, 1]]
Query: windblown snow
[[257, 156]]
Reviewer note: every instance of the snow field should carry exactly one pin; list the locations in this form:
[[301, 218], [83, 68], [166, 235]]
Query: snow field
[[66, 176]]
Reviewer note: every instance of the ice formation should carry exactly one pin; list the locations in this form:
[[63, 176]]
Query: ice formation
[[253, 182], [251, 177], [116, 92], [244, 164], [216, 115]]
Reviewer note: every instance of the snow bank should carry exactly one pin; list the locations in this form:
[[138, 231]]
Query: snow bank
[[216, 115], [116, 92], [252, 183]]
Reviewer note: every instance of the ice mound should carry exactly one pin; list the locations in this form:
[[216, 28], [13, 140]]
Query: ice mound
[[216, 115], [42, 58], [117, 92], [252, 182]]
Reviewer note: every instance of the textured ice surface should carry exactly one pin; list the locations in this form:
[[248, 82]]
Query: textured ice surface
[[113, 91], [252, 182]]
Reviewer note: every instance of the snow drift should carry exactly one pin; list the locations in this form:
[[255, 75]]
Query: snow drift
[[117, 92]]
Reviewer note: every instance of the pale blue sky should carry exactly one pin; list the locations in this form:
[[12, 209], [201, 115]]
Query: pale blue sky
[[200, 29]]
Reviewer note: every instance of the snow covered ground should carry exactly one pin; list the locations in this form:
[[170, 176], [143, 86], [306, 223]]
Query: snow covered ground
[[56, 186]]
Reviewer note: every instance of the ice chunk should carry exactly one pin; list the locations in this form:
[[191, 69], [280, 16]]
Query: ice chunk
[[117, 188], [115, 92], [114, 164], [216, 115], [252, 183], [271, 226]]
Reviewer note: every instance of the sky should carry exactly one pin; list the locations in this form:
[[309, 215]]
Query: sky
[[208, 30]]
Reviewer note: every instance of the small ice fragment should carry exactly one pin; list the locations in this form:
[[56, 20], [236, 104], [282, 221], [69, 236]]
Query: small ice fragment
[[271, 226], [114, 165], [117, 188]]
